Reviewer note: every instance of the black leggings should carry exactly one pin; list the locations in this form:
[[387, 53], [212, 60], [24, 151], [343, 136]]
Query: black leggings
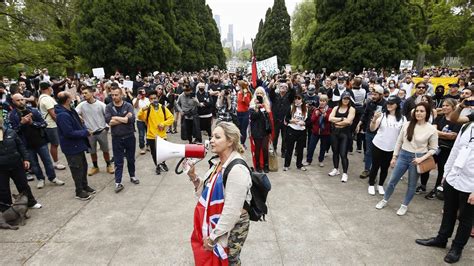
[[340, 143], [441, 160], [380, 159]]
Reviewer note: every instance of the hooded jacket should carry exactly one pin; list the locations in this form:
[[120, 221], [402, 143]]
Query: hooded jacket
[[72, 132]]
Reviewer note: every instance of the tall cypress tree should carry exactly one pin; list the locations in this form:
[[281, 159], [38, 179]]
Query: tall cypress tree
[[114, 39], [258, 37], [276, 35], [213, 52], [354, 34], [189, 35]]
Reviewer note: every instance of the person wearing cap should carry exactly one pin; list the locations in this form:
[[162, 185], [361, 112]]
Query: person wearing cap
[[342, 117], [388, 124], [376, 103], [409, 105], [204, 109], [46, 105], [453, 91]]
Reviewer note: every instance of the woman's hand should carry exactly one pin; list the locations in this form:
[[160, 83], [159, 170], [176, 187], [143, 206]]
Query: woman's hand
[[26, 165], [207, 244], [470, 200], [418, 160], [192, 173], [393, 162]]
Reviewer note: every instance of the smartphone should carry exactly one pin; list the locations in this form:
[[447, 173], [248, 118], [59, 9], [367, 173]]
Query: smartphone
[[469, 103], [379, 109]]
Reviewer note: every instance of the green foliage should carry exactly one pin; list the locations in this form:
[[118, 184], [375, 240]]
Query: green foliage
[[354, 34], [274, 37], [303, 25], [117, 40], [244, 55], [227, 53]]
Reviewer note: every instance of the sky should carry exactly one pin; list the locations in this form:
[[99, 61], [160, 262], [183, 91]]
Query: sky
[[244, 15]]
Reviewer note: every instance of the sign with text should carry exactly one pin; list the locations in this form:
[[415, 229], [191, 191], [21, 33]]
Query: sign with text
[[408, 64], [270, 65], [98, 72]]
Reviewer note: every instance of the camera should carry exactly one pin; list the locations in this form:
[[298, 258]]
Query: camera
[[260, 99]]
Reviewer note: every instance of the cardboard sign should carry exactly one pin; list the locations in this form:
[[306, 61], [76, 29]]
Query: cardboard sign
[[408, 64], [128, 84], [98, 72]]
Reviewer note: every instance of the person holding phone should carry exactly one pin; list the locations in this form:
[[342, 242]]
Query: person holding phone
[[260, 128]]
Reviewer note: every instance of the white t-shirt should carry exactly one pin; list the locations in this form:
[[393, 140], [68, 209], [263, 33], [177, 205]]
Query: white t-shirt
[[387, 134], [142, 103], [93, 114], [298, 115], [47, 102]]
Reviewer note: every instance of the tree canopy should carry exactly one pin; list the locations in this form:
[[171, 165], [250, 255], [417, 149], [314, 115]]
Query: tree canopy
[[274, 35]]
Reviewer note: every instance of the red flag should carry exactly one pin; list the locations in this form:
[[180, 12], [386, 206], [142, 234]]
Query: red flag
[[254, 70]]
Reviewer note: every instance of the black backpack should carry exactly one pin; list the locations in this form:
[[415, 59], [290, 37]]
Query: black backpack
[[260, 187]]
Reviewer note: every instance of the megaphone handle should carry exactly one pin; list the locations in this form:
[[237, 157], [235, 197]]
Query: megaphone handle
[[176, 169]]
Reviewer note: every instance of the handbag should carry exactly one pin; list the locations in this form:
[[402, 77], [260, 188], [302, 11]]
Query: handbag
[[427, 165], [272, 159]]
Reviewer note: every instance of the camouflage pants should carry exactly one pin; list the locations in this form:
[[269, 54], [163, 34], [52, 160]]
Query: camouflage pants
[[237, 238]]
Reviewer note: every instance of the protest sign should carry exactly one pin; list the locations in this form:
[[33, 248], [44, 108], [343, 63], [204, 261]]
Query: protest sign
[[98, 72], [408, 64], [270, 65], [288, 68], [128, 84]]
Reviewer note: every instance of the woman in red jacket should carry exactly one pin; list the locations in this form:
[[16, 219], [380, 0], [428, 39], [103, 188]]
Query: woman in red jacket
[[243, 102], [321, 130]]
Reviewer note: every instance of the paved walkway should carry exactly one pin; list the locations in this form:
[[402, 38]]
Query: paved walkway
[[313, 219]]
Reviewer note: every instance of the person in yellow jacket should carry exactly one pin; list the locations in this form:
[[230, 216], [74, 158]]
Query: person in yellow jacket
[[157, 117]]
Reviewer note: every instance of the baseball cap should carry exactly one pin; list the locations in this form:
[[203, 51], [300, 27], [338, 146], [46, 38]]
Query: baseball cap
[[394, 99], [378, 89]]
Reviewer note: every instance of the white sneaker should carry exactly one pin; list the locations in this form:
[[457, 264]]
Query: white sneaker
[[403, 210], [40, 184], [371, 190], [381, 204], [344, 178], [285, 168], [306, 164], [59, 166], [57, 182], [143, 151], [381, 190], [30, 177], [334, 172], [321, 164], [36, 206]]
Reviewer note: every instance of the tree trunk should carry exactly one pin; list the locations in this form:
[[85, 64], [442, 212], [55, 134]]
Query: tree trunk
[[420, 58]]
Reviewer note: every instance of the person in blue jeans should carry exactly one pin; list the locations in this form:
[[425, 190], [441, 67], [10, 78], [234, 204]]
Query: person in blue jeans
[[320, 130], [121, 118], [30, 125], [418, 140]]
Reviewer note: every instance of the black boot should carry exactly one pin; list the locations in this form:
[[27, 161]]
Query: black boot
[[266, 169]]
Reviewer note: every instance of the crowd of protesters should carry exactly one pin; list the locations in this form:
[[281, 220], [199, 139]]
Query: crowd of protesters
[[390, 119]]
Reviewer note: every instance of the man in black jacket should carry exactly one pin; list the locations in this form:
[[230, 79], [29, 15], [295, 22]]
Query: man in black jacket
[[281, 104], [376, 104], [411, 102], [14, 160]]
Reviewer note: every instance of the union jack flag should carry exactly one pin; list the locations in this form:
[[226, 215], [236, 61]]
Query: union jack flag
[[206, 216]]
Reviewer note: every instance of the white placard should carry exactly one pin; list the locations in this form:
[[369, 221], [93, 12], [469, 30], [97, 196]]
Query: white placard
[[270, 65], [98, 72], [128, 84], [288, 68], [408, 64]]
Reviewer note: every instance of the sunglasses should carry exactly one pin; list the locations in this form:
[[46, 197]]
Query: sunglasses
[[422, 87]]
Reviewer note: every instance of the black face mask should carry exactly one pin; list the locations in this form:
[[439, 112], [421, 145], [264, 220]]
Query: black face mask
[[439, 94]]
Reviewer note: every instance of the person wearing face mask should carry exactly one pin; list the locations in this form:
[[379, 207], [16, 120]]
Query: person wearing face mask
[[281, 105], [296, 132], [156, 117], [204, 109], [392, 87], [438, 99], [337, 92], [187, 105]]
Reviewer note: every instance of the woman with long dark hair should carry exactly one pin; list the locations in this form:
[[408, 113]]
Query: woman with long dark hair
[[296, 132], [417, 141], [388, 125], [341, 117]]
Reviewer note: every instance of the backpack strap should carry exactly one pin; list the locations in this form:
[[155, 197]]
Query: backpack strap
[[464, 127], [148, 113], [227, 171]]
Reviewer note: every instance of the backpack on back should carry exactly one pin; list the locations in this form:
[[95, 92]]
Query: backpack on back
[[260, 187]]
